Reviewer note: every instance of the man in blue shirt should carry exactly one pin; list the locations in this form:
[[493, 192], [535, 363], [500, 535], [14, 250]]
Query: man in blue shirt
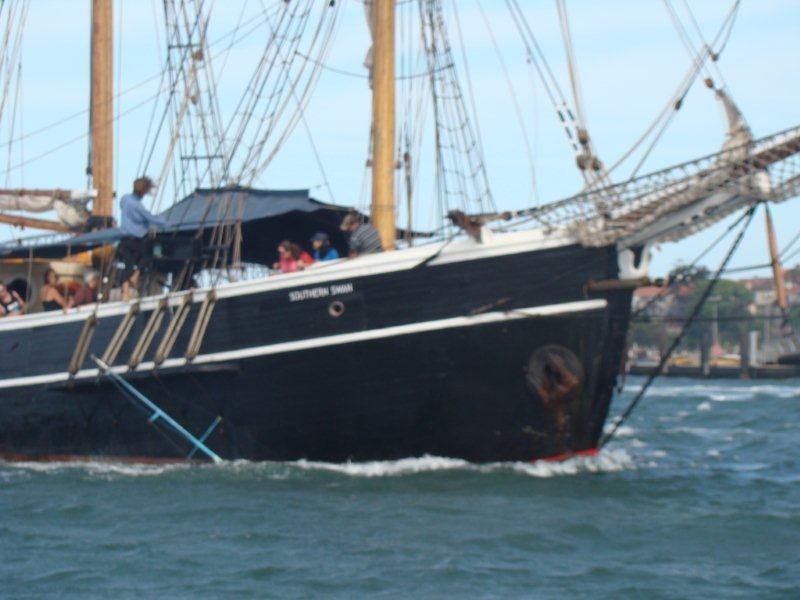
[[136, 219], [136, 223]]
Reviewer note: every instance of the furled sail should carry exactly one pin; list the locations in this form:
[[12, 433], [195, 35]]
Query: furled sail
[[69, 206], [368, 57]]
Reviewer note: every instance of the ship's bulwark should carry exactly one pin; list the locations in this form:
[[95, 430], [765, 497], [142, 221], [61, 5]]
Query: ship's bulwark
[[499, 358]]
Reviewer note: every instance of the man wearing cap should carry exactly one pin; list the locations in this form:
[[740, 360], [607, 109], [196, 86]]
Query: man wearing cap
[[322, 249], [136, 223], [364, 238], [136, 219]]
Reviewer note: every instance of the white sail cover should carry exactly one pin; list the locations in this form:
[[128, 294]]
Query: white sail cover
[[69, 206]]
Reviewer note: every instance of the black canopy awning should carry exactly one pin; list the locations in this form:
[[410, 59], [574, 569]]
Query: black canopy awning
[[209, 207], [267, 217]]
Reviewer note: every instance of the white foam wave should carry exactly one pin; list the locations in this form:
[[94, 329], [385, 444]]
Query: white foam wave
[[96, 467], [622, 431], [606, 461], [704, 406], [381, 468]]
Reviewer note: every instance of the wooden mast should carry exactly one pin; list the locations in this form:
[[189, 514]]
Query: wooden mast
[[102, 107], [383, 120], [775, 260]]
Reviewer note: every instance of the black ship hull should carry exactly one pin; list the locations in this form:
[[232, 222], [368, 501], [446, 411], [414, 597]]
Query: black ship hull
[[486, 356]]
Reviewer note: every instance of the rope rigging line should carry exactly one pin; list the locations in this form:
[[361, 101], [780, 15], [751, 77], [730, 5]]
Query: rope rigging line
[[11, 73], [321, 39], [677, 340], [461, 168], [317, 158], [515, 100], [589, 166], [346, 73], [705, 47], [11, 47], [569, 50], [13, 124], [45, 128], [118, 124], [696, 56], [673, 105], [243, 111], [691, 264], [78, 138], [288, 31], [234, 36], [470, 90], [791, 256], [194, 120], [226, 232], [789, 244], [301, 104], [182, 69]]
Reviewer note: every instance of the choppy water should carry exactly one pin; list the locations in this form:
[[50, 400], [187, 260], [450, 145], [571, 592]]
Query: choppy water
[[699, 497]]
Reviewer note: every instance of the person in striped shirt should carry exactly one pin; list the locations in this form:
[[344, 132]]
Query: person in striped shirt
[[364, 238]]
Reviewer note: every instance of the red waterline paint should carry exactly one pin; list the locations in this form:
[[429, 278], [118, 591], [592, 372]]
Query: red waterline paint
[[567, 455]]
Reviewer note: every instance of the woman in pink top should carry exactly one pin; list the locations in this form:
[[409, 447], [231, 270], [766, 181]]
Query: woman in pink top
[[291, 257]]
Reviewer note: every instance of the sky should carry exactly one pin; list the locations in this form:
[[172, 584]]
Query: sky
[[629, 59]]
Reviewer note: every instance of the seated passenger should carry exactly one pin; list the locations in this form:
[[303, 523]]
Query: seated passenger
[[11, 304], [291, 257], [364, 238], [87, 293], [52, 297], [322, 249]]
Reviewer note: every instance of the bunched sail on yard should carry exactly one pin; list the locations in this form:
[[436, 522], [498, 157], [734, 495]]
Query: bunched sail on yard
[[498, 342]]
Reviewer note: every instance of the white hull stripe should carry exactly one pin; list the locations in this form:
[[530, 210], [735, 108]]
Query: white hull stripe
[[331, 340]]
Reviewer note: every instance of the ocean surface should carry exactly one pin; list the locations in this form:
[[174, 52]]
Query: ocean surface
[[698, 497]]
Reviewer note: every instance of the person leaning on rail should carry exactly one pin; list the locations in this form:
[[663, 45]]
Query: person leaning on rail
[[136, 223]]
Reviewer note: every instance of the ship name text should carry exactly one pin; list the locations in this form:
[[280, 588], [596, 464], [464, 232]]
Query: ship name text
[[320, 292]]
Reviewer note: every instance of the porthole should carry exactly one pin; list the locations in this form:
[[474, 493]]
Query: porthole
[[555, 375], [336, 308]]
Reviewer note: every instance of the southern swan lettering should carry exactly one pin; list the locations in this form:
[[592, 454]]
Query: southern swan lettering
[[320, 292]]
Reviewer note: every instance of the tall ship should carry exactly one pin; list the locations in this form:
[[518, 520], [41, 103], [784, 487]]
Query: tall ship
[[497, 337]]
